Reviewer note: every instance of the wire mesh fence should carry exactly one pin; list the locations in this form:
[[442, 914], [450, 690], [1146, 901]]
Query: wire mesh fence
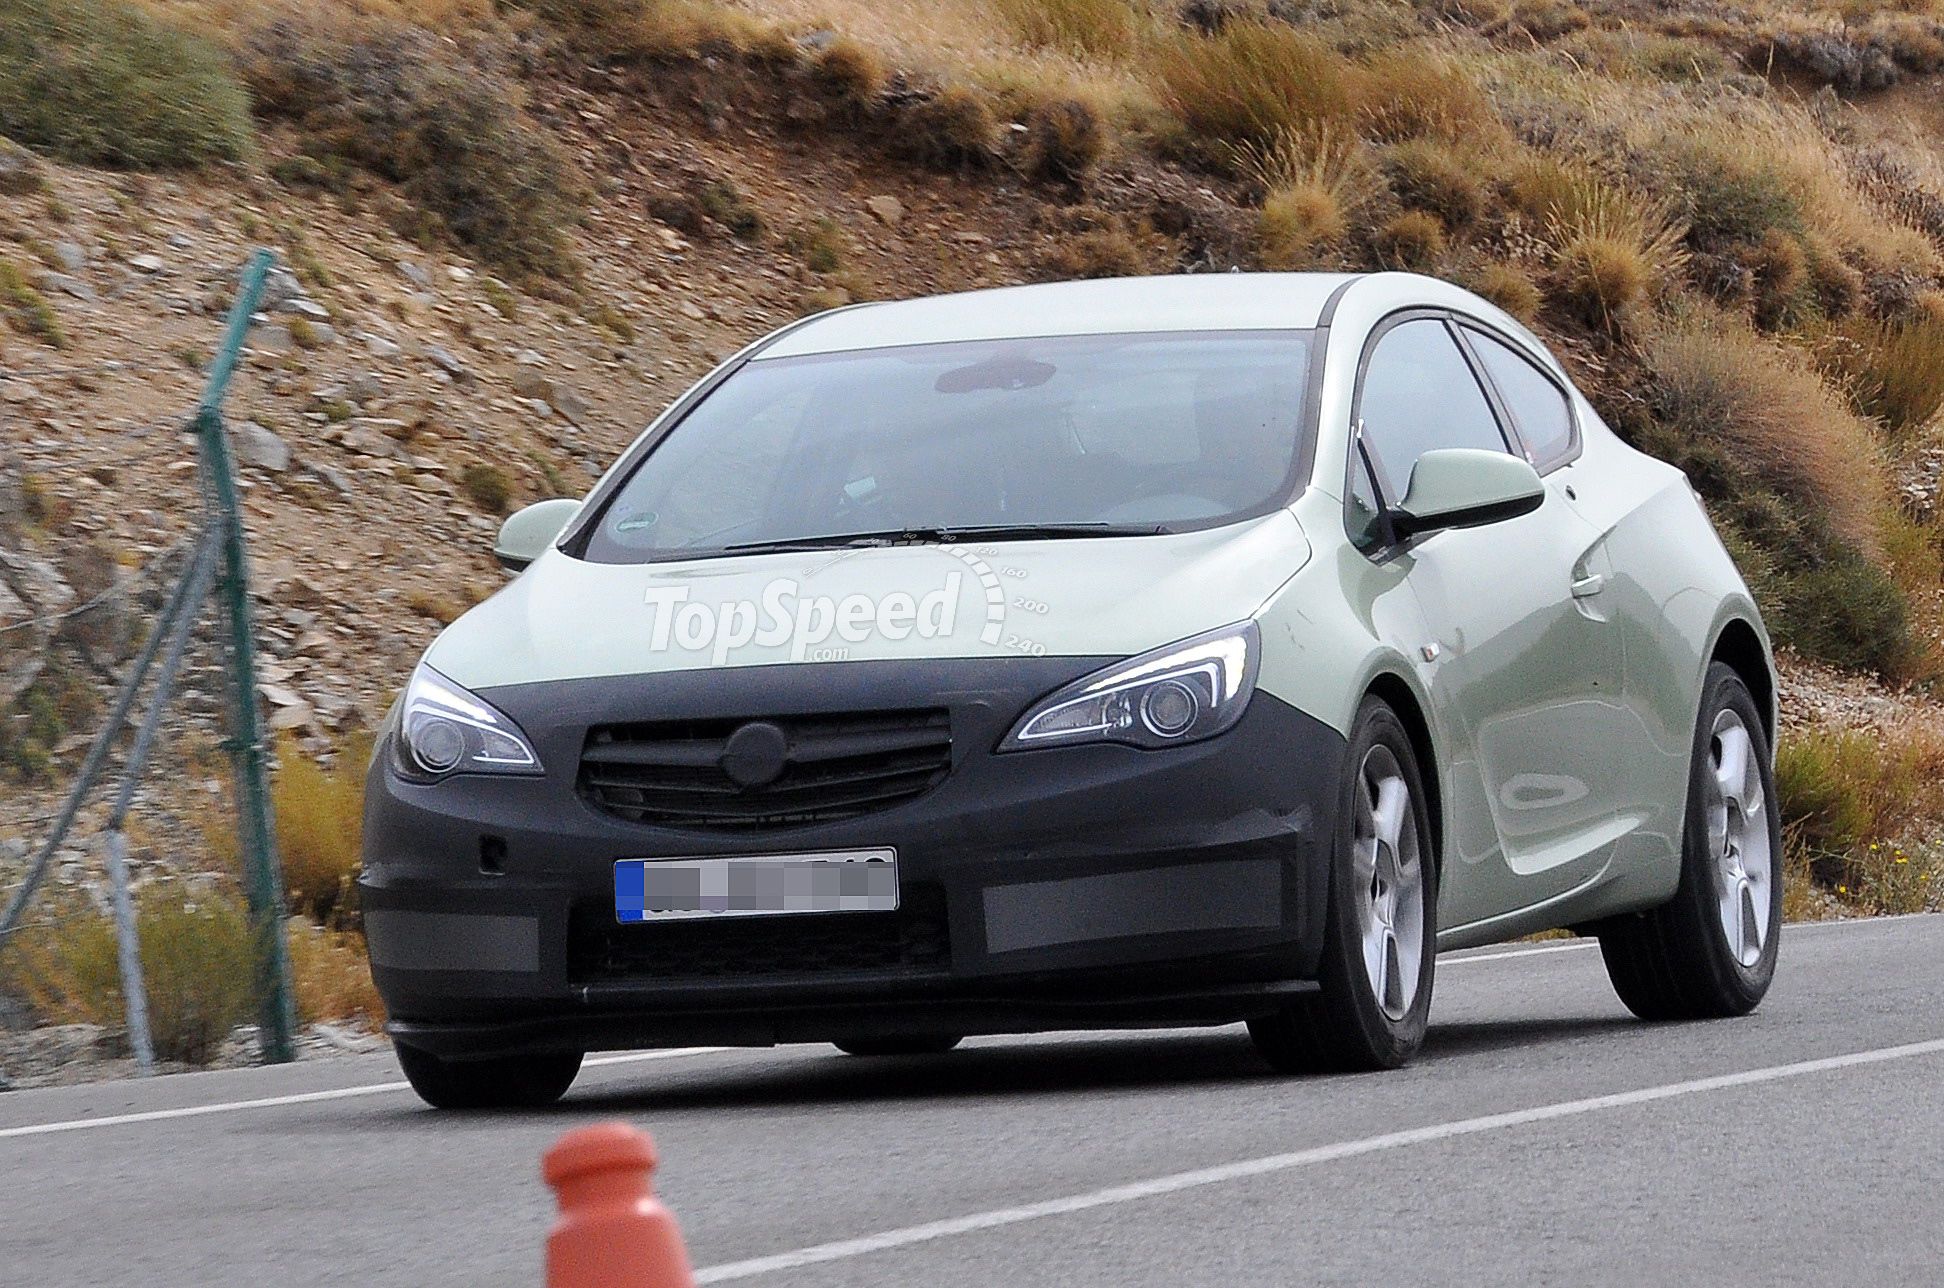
[[182, 961]]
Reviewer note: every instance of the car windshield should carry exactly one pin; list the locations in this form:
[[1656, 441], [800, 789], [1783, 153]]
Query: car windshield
[[1066, 436]]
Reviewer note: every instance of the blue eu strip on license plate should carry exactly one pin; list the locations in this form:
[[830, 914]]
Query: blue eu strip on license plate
[[756, 885]]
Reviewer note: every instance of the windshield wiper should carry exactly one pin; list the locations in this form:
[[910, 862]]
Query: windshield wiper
[[931, 536]]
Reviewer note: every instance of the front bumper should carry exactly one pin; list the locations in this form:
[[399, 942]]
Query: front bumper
[[1056, 888]]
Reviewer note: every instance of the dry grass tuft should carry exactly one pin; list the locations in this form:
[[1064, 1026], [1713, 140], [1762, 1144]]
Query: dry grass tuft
[[1614, 251], [953, 129], [331, 977], [1511, 288], [1409, 92], [851, 71], [1253, 83], [1085, 28], [1065, 138], [1431, 175], [1894, 371], [320, 827], [1413, 240]]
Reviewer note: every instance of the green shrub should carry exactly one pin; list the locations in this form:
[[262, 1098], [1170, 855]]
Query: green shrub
[[488, 487], [443, 125], [26, 310], [197, 968], [101, 82]]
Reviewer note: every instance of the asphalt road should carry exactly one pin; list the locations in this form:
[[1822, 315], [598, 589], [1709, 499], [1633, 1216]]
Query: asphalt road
[[1544, 1137]]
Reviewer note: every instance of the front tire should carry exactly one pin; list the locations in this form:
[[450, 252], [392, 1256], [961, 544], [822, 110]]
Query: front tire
[[1709, 952], [1380, 941], [505, 1082]]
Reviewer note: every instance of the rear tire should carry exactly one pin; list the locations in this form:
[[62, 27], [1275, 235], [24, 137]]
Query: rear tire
[[1380, 942], [934, 1044], [1709, 952], [505, 1082]]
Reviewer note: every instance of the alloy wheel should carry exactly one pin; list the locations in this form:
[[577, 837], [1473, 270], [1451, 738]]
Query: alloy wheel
[[1738, 837], [1389, 875]]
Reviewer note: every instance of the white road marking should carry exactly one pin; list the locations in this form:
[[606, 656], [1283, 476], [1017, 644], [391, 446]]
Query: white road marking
[[633, 1057], [299, 1098], [1243, 1169]]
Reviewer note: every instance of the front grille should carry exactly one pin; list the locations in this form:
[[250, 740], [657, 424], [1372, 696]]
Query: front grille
[[835, 766], [912, 939]]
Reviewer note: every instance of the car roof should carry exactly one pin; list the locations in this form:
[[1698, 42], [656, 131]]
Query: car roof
[[1180, 302]]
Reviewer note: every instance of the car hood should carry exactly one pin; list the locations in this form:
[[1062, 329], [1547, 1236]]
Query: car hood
[[565, 618]]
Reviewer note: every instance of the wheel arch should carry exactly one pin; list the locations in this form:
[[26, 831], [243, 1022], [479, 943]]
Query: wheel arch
[[1739, 647], [1397, 693]]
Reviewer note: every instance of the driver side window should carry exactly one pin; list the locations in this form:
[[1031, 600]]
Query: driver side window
[[1419, 394]]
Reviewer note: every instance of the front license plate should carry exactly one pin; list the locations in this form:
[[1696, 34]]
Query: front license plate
[[756, 885]]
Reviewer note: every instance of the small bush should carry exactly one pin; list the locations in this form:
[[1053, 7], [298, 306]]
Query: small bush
[[1101, 28], [1838, 288], [487, 486], [819, 245], [1894, 371], [1105, 252], [1064, 139], [851, 71], [1511, 288], [1253, 83], [444, 126], [1855, 802], [1428, 175], [1778, 271], [331, 977], [26, 310], [952, 129], [320, 825], [198, 969], [1726, 200], [1413, 240], [724, 202], [101, 82]]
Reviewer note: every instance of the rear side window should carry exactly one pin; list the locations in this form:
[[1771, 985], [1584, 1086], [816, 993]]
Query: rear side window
[[1538, 405], [1419, 394]]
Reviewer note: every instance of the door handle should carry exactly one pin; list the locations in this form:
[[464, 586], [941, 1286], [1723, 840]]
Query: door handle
[[1588, 586]]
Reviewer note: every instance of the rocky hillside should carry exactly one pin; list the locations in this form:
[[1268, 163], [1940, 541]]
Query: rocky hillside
[[510, 232]]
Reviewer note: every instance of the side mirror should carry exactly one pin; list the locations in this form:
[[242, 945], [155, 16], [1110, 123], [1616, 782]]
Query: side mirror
[[1463, 487], [527, 533]]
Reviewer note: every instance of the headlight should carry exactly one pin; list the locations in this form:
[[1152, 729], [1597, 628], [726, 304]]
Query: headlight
[[442, 729], [1181, 693]]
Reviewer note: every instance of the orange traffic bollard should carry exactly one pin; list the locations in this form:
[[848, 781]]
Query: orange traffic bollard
[[612, 1231]]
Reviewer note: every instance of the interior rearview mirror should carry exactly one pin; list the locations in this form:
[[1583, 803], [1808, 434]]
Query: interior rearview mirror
[[1463, 487], [527, 533]]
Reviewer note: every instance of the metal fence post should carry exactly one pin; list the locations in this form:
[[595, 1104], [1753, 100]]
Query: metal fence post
[[263, 876]]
